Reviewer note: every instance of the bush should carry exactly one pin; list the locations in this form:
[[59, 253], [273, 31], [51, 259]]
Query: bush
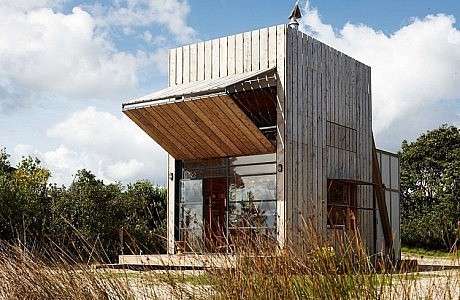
[[90, 219], [430, 189]]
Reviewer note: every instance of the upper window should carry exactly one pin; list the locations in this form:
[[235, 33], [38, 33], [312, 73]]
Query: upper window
[[341, 204]]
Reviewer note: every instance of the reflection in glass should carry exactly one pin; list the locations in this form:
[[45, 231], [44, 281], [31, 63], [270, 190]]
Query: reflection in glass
[[205, 173], [205, 163], [191, 191], [261, 187], [252, 214], [254, 159], [191, 214], [252, 206], [244, 207], [253, 169]]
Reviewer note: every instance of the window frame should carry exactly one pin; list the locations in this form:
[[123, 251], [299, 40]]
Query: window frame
[[341, 204]]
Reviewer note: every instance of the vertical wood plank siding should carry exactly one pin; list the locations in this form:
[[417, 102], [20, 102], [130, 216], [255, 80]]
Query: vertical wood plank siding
[[328, 133], [323, 117]]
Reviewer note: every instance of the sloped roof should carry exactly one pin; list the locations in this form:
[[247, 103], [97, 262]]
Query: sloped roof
[[257, 79]]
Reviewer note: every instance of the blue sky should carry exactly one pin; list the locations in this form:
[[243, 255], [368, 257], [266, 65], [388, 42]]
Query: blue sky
[[66, 66]]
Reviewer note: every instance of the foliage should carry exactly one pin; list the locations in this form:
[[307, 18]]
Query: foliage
[[90, 219], [24, 199], [310, 273], [143, 212], [424, 252], [430, 189]]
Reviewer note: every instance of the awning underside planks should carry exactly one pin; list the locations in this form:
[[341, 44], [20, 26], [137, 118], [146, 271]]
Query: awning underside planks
[[207, 127], [201, 120]]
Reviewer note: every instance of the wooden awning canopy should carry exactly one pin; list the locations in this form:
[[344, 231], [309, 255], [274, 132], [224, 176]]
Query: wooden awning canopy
[[201, 120]]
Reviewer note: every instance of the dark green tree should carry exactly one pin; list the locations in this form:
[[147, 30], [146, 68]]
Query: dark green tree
[[89, 220], [143, 212], [84, 218], [430, 189], [24, 200], [94, 220]]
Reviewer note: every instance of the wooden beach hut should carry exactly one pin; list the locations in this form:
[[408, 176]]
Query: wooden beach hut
[[267, 131]]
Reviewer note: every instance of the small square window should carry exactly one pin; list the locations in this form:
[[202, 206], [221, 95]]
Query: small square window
[[341, 204]]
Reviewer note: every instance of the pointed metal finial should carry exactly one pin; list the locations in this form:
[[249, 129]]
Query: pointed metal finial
[[295, 14]]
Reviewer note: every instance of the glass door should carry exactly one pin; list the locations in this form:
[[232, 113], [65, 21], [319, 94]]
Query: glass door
[[215, 213], [191, 215]]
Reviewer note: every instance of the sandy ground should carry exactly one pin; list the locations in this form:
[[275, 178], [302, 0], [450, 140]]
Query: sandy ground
[[154, 284], [436, 278]]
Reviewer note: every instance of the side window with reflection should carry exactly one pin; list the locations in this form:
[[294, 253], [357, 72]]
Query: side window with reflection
[[341, 205]]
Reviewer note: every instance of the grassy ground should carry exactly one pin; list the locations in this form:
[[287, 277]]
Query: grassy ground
[[412, 251]]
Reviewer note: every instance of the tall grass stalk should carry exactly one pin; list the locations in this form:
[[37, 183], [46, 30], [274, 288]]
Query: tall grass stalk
[[334, 268], [338, 267], [24, 275]]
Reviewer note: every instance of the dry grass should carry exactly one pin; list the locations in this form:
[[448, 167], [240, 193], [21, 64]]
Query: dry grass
[[318, 270], [314, 271], [27, 276]]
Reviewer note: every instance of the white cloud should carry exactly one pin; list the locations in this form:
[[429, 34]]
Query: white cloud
[[61, 54], [147, 36], [9, 95], [56, 54], [414, 68], [135, 13], [115, 149], [63, 163], [21, 151], [124, 169], [26, 5]]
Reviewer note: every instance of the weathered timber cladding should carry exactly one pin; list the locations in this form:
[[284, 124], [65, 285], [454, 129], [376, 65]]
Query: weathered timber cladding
[[250, 51], [328, 133], [278, 58], [323, 118], [235, 54], [305, 135], [171, 206]]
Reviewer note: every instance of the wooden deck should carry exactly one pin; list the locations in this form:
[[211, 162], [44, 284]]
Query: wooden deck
[[187, 261]]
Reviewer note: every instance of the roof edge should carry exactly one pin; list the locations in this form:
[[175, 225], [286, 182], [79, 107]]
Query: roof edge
[[197, 88]]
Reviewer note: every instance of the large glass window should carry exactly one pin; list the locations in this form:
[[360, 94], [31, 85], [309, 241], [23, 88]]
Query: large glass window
[[205, 168], [225, 197], [252, 196], [252, 207]]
